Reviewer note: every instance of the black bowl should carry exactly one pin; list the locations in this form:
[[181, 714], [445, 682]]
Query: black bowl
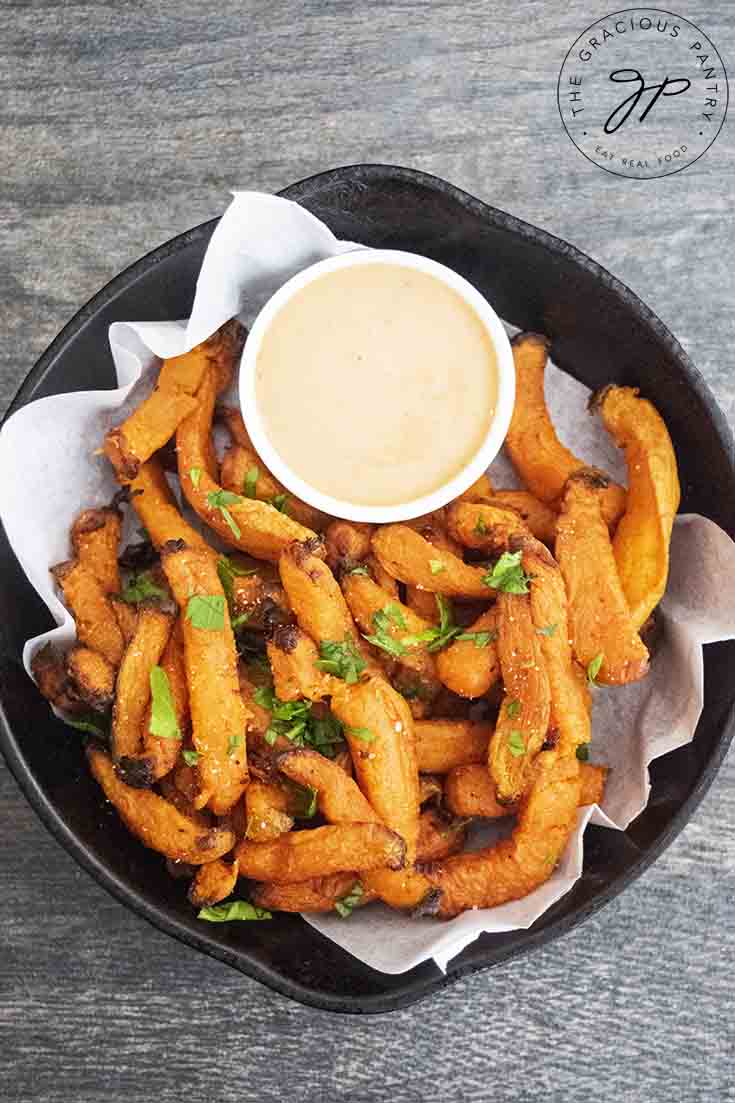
[[601, 332]]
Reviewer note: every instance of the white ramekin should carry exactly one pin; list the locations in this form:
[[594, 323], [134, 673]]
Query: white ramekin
[[354, 511]]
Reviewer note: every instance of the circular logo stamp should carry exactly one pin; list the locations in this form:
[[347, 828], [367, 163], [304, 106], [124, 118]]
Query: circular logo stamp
[[643, 93]]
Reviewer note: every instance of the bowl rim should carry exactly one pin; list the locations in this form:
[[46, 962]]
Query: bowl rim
[[415, 987], [497, 426]]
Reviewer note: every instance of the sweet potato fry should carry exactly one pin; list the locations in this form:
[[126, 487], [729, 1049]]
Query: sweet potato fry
[[434, 529], [396, 623], [379, 731], [153, 501], [156, 822], [97, 625], [318, 895], [481, 488], [156, 419], [162, 754], [320, 851], [348, 544], [339, 798], [542, 461], [267, 811], [218, 714], [407, 556], [92, 677], [443, 744], [641, 542], [126, 616], [570, 695], [591, 783], [439, 836], [484, 527], [246, 523], [381, 577], [213, 882], [539, 518], [293, 657], [518, 865], [133, 693], [233, 420], [523, 721], [243, 472], [49, 671], [95, 536], [599, 618], [470, 667], [470, 791]]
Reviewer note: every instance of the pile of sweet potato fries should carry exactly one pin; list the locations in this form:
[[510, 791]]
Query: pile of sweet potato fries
[[322, 708]]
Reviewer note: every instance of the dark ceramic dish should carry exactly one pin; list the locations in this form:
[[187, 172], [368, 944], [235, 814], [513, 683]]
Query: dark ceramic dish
[[601, 332]]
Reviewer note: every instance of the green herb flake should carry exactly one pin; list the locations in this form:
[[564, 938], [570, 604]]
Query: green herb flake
[[140, 587], [364, 734], [384, 621], [163, 723], [480, 527], [88, 726], [436, 566], [359, 570], [191, 758], [583, 752], [344, 906], [548, 630], [508, 575], [235, 742], [206, 611], [251, 482], [343, 660], [294, 721], [233, 909], [593, 668], [516, 746], [221, 499], [306, 801], [280, 502], [482, 639], [195, 474], [513, 709]]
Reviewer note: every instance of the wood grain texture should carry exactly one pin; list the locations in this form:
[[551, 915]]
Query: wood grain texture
[[124, 124]]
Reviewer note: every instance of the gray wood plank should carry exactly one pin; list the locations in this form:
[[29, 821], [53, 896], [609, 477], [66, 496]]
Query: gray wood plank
[[126, 124]]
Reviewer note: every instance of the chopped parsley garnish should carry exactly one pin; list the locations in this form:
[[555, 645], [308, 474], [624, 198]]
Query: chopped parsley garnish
[[235, 741], [583, 752], [305, 803], [385, 620], [439, 636], [190, 757], [250, 483], [164, 723], [344, 906], [221, 499], [549, 630], [593, 668], [342, 660], [279, 502], [140, 587], [88, 726], [516, 746], [359, 570], [480, 527], [482, 639], [295, 721], [513, 709], [195, 474], [232, 909], [206, 611], [436, 566], [508, 575], [360, 733], [228, 570]]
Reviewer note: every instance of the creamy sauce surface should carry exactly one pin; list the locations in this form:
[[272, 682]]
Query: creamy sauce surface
[[376, 384]]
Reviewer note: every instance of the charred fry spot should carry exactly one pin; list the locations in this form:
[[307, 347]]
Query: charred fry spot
[[138, 773], [286, 638]]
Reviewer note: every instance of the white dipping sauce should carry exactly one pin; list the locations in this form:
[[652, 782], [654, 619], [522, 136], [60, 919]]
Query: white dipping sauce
[[376, 384]]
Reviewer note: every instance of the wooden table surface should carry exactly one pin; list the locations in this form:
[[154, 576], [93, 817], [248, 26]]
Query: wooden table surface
[[124, 124]]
